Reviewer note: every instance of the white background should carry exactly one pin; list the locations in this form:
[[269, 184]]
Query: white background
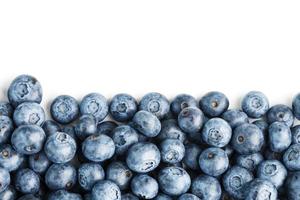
[[77, 47]]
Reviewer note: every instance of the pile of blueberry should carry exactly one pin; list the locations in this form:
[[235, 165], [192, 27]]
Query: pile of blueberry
[[155, 149]]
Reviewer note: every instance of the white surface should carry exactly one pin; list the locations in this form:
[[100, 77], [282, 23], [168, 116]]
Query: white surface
[[77, 47]]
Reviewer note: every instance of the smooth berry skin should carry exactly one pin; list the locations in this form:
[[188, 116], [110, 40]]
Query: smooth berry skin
[[235, 117], [64, 195], [70, 130], [174, 181], [30, 197], [162, 196], [94, 104], [28, 113], [255, 104], [192, 153], [122, 107], [296, 106], [9, 158], [291, 157], [119, 173], [182, 101], [293, 185], [28, 139], [155, 103], [260, 189], [60, 147], [124, 137], [191, 120], [98, 148], [172, 151], [6, 109], [61, 176], [280, 137], [143, 157], [234, 181], [106, 190], [247, 139], [39, 162], [273, 171], [280, 113], [188, 196], [8, 194], [146, 123], [295, 134], [85, 126], [250, 161], [213, 104], [206, 187], [213, 161], [171, 130], [27, 181], [144, 186], [262, 125], [6, 129], [4, 179], [106, 127], [24, 88], [50, 127], [129, 196], [89, 174], [64, 109], [216, 132]]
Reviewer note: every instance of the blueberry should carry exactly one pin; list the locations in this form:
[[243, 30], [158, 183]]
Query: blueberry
[[89, 174], [213, 161], [24, 88], [64, 109], [64, 195], [192, 153], [119, 173], [216, 132], [30, 197], [188, 196], [144, 186], [129, 196], [182, 101], [124, 136], [70, 130], [6, 129], [85, 126], [296, 134], [296, 106], [156, 104], [171, 130], [293, 185], [6, 109], [250, 161], [235, 117], [162, 196], [28, 139], [190, 120], [213, 104], [174, 181], [51, 127], [106, 127], [280, 137], [9, 158], [146, 123], [260, 189], [273, 171], [27, 181], [106, 190], [60, 176], [60, 147], [255, 104], [143, 157], [4, 179], [172, 151], [94, 104], [8, 194], [262, 125], [29, 113], [235, 180], [271, 155], [122, 107], [39, 162], [280, 113], [291, 157], [247, 139], [98, 148], [206, 187]]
